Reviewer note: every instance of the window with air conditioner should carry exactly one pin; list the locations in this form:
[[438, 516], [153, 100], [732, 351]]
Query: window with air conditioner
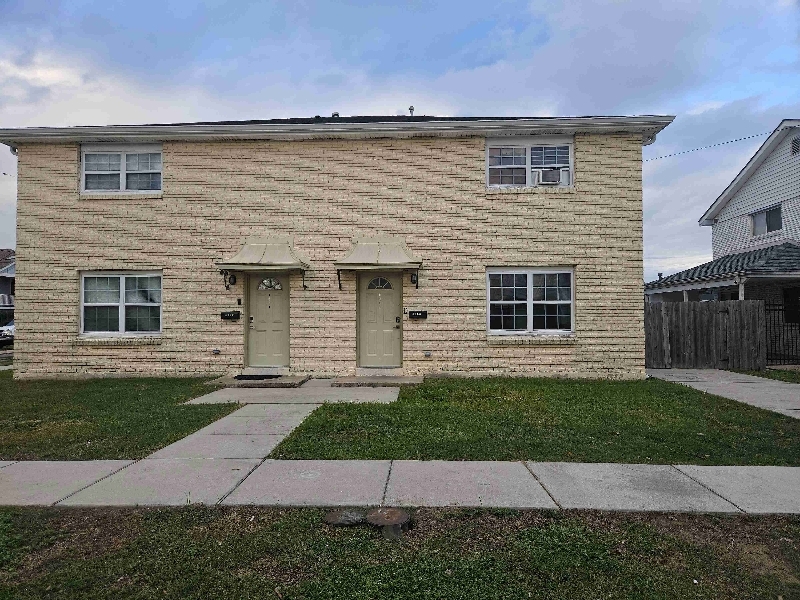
[[767, 221], [529, 163]]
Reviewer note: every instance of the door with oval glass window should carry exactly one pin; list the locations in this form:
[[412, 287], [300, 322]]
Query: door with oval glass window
[[380, 320], [268, 321]]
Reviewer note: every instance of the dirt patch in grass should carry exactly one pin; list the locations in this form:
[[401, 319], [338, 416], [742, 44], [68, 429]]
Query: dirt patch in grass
[[219, 552]]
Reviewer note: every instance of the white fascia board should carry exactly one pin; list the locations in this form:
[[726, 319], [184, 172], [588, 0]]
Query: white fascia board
[[647, 126], [694, 285], [775, 138]]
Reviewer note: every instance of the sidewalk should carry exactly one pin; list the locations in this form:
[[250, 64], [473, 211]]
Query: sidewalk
[[770, 394], [225, 463], [180, 481]]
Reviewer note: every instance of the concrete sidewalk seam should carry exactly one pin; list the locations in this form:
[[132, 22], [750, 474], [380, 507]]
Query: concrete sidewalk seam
[[544, 487], [386, 483], [133, 462], [700, 483], [241, 481]]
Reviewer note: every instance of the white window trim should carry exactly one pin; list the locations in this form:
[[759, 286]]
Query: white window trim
[[121, 332], [752, 216], [119, 149], [532, 271], [527, 143]]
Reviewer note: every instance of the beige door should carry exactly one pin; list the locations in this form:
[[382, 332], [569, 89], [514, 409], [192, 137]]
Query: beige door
[[380, 320], [268, 321]]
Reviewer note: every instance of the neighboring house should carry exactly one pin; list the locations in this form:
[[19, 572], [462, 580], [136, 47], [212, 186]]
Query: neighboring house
[[7, 270], [352, 245], [755, 226]]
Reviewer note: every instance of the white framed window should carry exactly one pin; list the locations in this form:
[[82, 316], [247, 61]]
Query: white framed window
[[530, 162], [120, 169], [117, 303], [530, 300], [767, 221]]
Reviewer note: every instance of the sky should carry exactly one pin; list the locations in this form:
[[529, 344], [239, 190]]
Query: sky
[[726, 69]]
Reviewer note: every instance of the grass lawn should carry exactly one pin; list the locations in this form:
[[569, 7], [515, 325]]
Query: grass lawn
[[200, 553], [99, 418], [649, 421], [787, 375]]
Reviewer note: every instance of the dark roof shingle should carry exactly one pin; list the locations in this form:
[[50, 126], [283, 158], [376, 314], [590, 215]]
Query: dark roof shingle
[[6, 256], [782, 258]]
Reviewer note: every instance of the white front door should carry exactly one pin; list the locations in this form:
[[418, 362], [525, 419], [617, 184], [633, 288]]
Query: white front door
[[268, 321], [380, 320]]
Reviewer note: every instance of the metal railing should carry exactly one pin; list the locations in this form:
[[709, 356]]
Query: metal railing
[[783, 334]]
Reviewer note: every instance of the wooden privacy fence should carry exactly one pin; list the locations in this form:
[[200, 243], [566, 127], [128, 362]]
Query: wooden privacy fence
[[705, 335]]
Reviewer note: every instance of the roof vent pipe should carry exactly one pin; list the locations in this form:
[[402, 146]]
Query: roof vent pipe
[[660, 276], [335, 115], [411, 110]]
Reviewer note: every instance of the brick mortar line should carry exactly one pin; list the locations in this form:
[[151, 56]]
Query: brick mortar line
[[386, 485], [700, 483], [544, 487], [98, 481]]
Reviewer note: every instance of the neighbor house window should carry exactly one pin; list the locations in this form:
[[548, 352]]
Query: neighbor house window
[[528, 164], [530, 300], [120, 303], [767, 221], [133, 169]]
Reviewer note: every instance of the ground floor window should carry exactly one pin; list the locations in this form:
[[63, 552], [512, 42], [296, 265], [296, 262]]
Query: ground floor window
[[529, 300], [120, 303]]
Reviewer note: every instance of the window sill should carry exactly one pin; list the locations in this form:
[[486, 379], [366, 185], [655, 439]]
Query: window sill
[[122, 196], [554, 339], [127, 341], [533, 189]]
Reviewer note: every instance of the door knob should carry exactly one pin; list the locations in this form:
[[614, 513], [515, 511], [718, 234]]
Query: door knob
[[397, 326]]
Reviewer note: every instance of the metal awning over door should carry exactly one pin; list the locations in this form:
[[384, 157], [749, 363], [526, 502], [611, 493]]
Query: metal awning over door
[[377, 253], [266, 254]]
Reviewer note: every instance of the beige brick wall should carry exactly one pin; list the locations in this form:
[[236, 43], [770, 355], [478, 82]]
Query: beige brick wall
[[430, 191]]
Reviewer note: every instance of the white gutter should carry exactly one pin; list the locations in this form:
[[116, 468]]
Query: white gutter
[[648, 126]]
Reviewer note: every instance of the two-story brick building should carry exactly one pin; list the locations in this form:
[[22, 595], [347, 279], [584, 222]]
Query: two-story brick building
[[332, 246]]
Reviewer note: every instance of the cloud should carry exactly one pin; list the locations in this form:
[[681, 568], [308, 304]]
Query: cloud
[[725, 69]]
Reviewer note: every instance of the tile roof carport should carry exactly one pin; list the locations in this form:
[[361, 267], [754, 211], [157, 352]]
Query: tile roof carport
[[779, 261]]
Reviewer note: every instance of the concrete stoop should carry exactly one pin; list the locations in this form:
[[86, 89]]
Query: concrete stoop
[[284, 381], [375, 381]]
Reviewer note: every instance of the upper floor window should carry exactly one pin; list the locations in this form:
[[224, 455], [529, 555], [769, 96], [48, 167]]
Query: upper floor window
[[129, 169], [521, 163], [766, 221]]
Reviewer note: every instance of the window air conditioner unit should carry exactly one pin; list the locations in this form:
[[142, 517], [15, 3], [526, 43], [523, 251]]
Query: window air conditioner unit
[[551, 176]]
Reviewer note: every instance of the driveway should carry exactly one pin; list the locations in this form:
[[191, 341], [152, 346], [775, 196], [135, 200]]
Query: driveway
[[777, 396]]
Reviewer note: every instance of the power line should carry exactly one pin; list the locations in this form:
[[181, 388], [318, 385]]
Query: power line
[[749, 137]]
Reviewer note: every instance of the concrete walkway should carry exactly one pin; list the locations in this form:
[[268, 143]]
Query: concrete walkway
[[236, 481], [777, 396]]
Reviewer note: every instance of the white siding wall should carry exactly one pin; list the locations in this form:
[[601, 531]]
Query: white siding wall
[[777, 180]]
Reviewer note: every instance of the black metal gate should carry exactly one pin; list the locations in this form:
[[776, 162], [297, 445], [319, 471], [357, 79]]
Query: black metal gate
[[783, 334]]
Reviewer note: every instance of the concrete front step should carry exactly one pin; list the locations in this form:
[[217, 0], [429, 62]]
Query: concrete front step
[[284, 381], [375, 381]]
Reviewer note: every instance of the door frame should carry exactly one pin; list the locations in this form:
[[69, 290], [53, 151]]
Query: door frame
[[369, 275], [249, 276]]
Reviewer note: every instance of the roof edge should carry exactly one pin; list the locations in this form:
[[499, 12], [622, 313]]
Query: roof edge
[[648, 125], [775, 138]]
